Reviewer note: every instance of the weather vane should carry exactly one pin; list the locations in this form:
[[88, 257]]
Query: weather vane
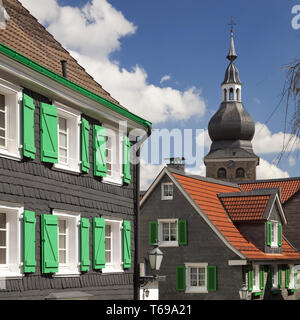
[[232, 23]]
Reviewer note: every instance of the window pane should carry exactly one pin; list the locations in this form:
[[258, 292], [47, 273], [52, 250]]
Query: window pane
[[2, 238], [193, 274], [62, 226], [62, 242], [62, 124], [108, 244], [2, 133], [2, 221], [2, 102], [166, 232], [2, 142], [201, 277], [2, 256], [62, 256], [107, 230], [107, 256], [2, 120], [63, 140]]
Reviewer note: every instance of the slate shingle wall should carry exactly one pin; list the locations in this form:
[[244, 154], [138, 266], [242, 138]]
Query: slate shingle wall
[[41, 189]]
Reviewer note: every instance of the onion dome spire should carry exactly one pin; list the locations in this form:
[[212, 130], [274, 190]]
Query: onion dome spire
[[231, 54]]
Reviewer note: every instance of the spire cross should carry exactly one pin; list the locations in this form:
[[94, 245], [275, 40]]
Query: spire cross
[[232, 23]]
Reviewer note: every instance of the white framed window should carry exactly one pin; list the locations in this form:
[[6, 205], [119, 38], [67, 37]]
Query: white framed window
[[256, 278], [10, 241], [274, 275], [274, 234], [68, 128], [68, 243], [196, 277], [168, 232], [113, 246], [167, 191], [10, 101], [114, 155], [294, 276]]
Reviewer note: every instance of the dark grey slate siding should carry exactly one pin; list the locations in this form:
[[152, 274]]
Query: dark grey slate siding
[[203, 246], [41, 189]]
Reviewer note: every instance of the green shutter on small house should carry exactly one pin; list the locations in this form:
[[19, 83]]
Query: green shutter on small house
[[85, 244], [29, 223], [182, 232], [127, 244], [29, 149], [250, 279], [287, 277], [85, 155], [99, 243], [261, 277], [279, 276], [153, 233], [126, 165], [49, 133], [100, 166], [279, 234], [270, 276], [49, 235], [211, 278], [180, 278], [269, 232]]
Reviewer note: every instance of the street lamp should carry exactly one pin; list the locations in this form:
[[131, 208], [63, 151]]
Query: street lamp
[[243, 293], [155, 258]]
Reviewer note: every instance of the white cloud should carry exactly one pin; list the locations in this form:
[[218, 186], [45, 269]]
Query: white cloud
[[201, 171], [266, 170], [292, 161], [167, 77], [91, 34], [149, 172]]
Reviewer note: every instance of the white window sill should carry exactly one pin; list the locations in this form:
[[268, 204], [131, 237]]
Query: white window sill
[[113, 269], [66, 274], [109, 180], [12, 156], [168, 244], [194, 290], [61, 167], [10, 275], [167, 198]]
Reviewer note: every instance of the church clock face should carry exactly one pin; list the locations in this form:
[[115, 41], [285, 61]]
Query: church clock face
[[230, 164]]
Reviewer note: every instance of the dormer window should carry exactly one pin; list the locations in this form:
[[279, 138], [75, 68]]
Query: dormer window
[[274, 234], [167, 191]]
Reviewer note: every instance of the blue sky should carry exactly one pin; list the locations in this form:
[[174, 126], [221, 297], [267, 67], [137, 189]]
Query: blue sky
[[189, 41]]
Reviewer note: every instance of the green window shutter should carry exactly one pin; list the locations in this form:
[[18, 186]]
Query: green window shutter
[[29, 149], [250, 279], [100, 168], [126, 165], [85, 244], [279, 234], [49, 135], [49, 234], [99, 243], [29, 223], [182, 232], [261, 277], [85, 136], [280, 276], [287, 277], [127, 244], [153, 233], [211, 278], [270, 277], [268, 232], [180, 278]]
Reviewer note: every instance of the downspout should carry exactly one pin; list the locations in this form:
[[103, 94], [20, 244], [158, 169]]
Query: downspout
[[136, 224]]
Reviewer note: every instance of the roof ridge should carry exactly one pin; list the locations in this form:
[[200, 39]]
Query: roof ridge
[[268, 180], [256, 192]]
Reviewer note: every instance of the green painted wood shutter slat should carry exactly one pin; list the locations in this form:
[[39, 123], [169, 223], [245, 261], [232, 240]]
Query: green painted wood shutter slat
[[280, 276], [100, 166], [99, 243], [180, 278], [49, 133], [126, 165], [127, 244], [29, 223], [211, 278], [279, 234], [29, 149], [85, 244], [250, 279], [261, 277], [49, 234], [153, 233], [182, 232], [85, 155], [287, 277], [268, 232]]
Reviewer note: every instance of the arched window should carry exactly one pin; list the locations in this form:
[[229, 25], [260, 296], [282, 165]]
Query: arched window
[[238, 94], [225, 94], [240, 173], [231, 94], [222, 173]]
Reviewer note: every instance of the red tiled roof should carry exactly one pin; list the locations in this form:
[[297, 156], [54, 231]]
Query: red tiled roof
[[205, 195], [246, 208], [24, 34], [288, 187]]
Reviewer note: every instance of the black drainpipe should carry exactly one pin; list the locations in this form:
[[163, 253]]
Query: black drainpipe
[[136, 224]]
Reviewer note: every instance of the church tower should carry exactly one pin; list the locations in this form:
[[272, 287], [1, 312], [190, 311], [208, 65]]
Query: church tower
[[231, 129]]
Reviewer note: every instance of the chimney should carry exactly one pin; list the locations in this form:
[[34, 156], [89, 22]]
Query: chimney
[[176, 163], [64, 68]]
